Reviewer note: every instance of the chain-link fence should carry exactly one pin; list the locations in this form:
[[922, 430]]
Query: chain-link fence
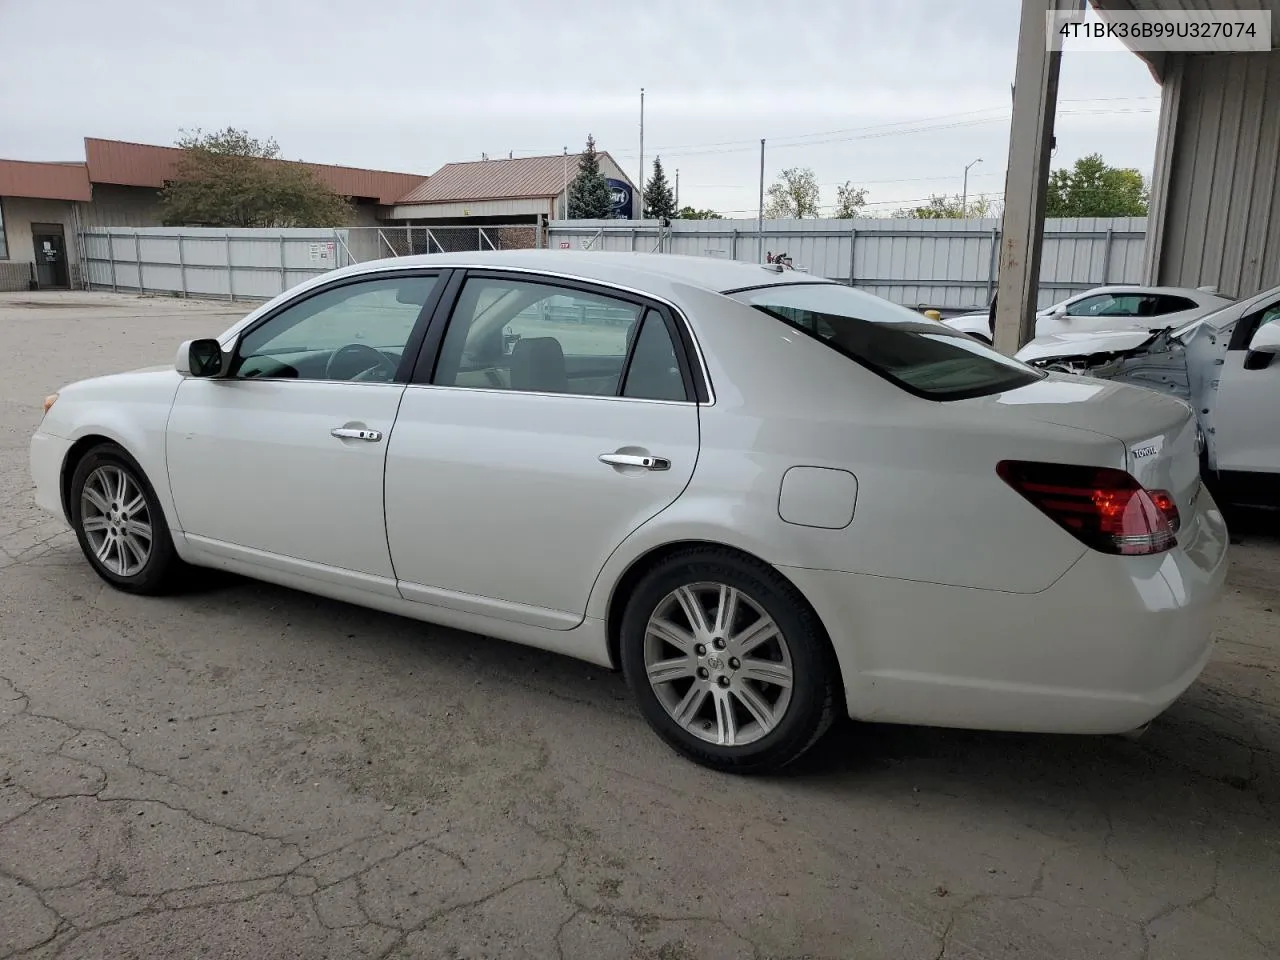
[[375, 243]]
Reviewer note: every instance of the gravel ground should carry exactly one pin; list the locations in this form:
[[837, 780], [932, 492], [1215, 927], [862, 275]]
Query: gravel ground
[[248, 772]]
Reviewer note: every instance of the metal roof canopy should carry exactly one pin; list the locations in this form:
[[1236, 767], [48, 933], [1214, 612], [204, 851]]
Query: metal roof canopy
[[1155, 59]]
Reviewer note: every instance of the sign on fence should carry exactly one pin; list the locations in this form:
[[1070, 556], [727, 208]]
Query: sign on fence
[[322, 252]]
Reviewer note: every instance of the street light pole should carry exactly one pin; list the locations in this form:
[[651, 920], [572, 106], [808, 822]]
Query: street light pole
[[760, 211], [641, 217], [964, 196]]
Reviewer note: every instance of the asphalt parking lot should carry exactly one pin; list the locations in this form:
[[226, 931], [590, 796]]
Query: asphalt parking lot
[[244, 771]]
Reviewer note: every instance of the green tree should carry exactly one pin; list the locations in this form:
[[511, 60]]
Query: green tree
[[849, 201], [942, 208], [793, 196], [659, 200], [231, 179], [1091, 188], [689, 213], [589, 195]]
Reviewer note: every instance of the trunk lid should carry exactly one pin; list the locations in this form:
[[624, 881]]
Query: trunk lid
[[1158, 431]]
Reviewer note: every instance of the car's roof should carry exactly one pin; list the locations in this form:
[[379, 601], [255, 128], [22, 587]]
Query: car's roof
[[1140, 288], [618, 268]]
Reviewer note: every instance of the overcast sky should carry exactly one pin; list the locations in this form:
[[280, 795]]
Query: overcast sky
[[894, 96]]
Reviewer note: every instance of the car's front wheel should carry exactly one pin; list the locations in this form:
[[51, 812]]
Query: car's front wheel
[[119, 523], [728, 663]]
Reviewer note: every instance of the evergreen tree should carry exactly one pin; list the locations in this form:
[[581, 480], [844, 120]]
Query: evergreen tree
[[659, 200], [589, 195]]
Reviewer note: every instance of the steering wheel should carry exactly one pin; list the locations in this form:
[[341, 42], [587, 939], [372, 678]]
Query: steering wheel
[[353, 360]]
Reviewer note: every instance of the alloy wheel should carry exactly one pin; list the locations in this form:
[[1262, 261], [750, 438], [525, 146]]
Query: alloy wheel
[[116, 520], [718, 663]]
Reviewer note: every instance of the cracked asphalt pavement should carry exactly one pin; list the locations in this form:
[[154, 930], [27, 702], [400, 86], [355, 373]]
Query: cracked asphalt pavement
[[244, 771]]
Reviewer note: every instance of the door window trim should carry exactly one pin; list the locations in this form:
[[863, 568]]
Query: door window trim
[[416, 336], [697, 383]]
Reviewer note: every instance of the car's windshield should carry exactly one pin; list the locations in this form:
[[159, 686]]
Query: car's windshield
[[925, 358]]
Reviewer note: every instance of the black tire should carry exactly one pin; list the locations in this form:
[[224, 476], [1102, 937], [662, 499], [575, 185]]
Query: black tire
[[162, 569], [816, 694]]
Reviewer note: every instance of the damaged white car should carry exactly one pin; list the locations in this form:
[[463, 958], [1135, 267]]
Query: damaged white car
[[1224, 364], [1120, 307]]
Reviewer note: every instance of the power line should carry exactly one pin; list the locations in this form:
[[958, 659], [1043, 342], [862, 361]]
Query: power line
[[878, 134], [869, 132], [857, 183]]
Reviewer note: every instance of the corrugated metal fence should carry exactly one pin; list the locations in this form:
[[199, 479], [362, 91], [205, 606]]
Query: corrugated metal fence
[[244, 263], [949, 264], [257, 264]]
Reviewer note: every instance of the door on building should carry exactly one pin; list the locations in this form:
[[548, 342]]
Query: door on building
[[51, 256]]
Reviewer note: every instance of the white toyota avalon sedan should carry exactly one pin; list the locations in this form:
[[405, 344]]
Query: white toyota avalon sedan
[[767, 498]]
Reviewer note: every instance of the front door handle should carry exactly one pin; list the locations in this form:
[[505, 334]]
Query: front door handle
[[356, 433], [635, 460]]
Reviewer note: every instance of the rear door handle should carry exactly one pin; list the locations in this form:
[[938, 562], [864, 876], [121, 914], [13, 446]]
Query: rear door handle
[[635, 460], [356, 433]]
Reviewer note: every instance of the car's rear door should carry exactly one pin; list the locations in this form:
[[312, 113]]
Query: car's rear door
[[546, 421]]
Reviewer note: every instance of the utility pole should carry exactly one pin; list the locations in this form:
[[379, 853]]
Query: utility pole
[[964, 195], [760, 210], [677, 188], [566, 183], [1035, 99], [642, 153]]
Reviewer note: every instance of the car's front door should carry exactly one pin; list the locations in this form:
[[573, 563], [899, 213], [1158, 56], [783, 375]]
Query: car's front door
[[558, 419], [280, 463], [1101, 311], [1246, 431]]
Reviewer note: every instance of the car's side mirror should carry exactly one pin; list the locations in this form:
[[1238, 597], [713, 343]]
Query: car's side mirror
[[1263, 347], [202, 358]]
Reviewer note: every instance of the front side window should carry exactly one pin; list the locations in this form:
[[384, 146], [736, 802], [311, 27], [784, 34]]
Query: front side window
[[357, 331], [1110, 305], [925, 358], [525, 335]]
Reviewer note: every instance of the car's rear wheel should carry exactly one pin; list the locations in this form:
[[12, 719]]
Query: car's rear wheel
[[728, 663], [119, 523]]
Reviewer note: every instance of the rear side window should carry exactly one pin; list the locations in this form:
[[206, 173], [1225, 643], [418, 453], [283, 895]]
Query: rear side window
[[1172, 304], [925, 358]]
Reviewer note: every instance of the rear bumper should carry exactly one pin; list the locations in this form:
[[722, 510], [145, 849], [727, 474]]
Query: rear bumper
[[1105, 649], [48, 454]]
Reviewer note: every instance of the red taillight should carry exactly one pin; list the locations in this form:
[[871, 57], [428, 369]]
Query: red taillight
[[1103, 508]]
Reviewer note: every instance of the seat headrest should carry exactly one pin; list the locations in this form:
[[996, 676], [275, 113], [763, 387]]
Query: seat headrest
[[537, 363]]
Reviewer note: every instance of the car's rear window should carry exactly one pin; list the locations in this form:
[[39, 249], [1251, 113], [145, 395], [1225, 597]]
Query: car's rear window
[[924, 357]]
